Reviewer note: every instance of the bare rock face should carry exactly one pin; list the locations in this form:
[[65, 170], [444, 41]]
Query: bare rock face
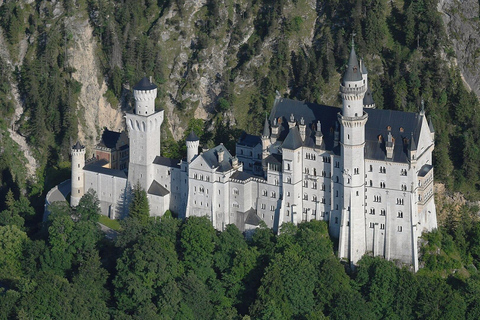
[[93, 107], [463, 28], [197, 83]]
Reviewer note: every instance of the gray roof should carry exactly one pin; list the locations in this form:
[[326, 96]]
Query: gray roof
[[252, 217], [112, 139], [97, 167], [400, 123], [368, 98], [274, 158], [192, 137], [249, 217], [353, 72], [364, 68], [430, 125], [266, 129], [424, 170], [174, 163], [157, 189], [78, 146], [242, 176], [144, 84], [311, 113], [413, 145], [249, 140], [293, 139], [211, 158]]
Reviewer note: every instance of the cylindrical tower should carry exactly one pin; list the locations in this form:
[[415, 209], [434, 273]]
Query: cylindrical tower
[[192, 142], [352, 241], [78, 178], [145, 93]]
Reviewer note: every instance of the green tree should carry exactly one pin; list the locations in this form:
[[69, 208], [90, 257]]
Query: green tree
[[12, 241], [139, 207]]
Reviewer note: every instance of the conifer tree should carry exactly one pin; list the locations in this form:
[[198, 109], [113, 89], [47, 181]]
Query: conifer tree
[[139, 206]]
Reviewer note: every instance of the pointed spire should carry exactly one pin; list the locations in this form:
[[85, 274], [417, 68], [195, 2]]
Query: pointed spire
[[364, 68], [422, 111], [353, 72], [192, 137], [144, 84], [413, 145], [430, 124], [78, 146], [266, 129]]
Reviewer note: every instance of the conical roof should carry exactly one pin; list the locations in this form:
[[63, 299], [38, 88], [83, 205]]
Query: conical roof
[[144, 85], [266, 129], [368, 98], [364, 68], [192, 137], [78, 146], [430, 124], [413, 145], [353, 71], [293, 140]]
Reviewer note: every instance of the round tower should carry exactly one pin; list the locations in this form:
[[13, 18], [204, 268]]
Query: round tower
[[145, 93], [352, 243], [265, 139], [77, 181], [192, 142]]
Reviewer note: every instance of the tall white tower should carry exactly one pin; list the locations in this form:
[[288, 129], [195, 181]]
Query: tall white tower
[[192, 143], [144, 134], [352, 237], [78, 178]]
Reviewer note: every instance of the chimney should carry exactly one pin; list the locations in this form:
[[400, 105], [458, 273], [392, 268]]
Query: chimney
[[220, 154], [302, 128], [318, 135], [389, 145], [291, 123]]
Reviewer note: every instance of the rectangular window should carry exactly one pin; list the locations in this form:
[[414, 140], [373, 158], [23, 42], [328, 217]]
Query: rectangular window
[[399, 229], [382, 226]]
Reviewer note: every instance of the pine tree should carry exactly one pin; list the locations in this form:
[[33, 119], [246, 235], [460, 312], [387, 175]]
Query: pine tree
[[139, 206]]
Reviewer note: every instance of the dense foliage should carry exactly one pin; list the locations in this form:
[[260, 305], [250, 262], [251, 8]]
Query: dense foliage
[[403, 43], [165, 268]]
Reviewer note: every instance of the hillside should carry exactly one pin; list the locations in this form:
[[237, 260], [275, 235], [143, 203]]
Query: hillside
[[68, 66]]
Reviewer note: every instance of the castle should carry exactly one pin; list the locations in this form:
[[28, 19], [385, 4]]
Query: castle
[[367, 172]]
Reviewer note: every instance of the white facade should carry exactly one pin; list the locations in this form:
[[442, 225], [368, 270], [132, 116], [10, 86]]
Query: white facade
[[367, 172]]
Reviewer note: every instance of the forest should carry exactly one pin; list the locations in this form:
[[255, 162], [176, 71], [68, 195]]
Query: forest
[[167, 268]]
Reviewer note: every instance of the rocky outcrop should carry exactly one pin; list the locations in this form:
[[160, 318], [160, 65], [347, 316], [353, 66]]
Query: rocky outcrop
[[463, 28], [31, 164], [94, 110]]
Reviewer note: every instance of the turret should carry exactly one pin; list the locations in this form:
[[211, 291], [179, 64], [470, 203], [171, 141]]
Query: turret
[[265, 139], [291, 122], [145, 93], [192, 143], [318, 135], [432, 129], [389, 145], [353, 87], [302, 128], [412, 149], [77, 180], [351, 231], [275, 127]]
